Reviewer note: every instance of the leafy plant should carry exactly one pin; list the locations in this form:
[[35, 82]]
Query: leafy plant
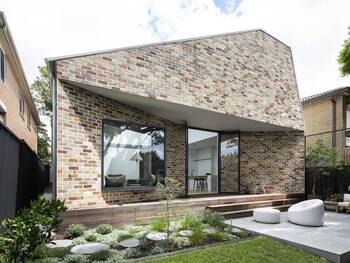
[[91, 237], [180, 242], [122, 236], [75, 230], [213, 218], [32, 228], [74, 258], [157, 250], [132, 253], [102, 255], [159, 225], [104, 229], [197, 236], [190, 221]]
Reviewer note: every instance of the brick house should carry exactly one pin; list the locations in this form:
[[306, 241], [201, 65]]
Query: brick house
[[221, 114], [17, 108], [327, 117]]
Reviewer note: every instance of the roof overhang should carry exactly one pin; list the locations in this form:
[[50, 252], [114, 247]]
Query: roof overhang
[[326, 95], [182, 114]]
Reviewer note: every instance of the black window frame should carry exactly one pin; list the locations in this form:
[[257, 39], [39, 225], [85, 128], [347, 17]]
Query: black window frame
[[109, 121]]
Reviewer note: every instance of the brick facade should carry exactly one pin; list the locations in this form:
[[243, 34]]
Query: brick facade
[[248, 75], [79, 126], [273, 160]]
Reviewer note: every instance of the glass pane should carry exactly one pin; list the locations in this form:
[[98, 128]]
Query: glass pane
[[229, 163], [133, 155], [202, 162]]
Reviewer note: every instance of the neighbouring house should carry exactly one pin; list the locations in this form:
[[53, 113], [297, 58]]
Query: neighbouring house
[[17, 108], [327, 118], [220, 114]]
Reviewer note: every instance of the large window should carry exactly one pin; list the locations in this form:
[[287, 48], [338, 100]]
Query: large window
[[202, 162], [133, 155]]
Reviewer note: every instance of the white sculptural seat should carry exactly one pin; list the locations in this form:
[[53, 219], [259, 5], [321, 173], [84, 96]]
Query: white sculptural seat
[[267, 215], [307, 213]]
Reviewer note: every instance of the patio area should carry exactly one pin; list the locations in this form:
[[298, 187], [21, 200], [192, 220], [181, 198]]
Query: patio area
[[330, 241]]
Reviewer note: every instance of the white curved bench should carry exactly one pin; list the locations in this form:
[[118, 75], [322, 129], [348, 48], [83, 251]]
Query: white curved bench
[[307, 213], [267, 215]]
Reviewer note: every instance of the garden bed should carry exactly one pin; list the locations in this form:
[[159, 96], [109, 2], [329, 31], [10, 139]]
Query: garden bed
[[130, 242]]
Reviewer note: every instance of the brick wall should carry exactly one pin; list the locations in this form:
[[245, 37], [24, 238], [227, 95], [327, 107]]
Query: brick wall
[[79, 128], [248, 75], [274, 160]]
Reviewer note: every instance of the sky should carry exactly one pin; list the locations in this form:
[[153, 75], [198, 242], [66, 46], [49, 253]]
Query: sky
[[314, 29]]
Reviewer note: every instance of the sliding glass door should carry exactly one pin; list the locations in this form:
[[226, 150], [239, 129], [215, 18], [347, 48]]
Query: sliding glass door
[[202, 162]]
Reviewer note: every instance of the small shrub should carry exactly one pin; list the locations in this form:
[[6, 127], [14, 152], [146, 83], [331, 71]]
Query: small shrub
[[91, 237], [40, 252], [197, 235], [243, 234], [132, 253], [213, 219], [79, 241], [59, 252], [218, 236], [190, 221], [104, 229], [159, 225], [157, 250], [75, 230], [31, 228], [74, 258], [123, 236], [180, 242], [102, 255]]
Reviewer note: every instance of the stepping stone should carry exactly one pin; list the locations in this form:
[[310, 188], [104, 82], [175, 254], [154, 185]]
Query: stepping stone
[[209, 231], [186, 233], [130, 243], [60, 243], [236, 231], [89, 248], [156, 236]]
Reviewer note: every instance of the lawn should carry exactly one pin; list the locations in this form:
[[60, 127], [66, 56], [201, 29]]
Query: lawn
[[254, 250]]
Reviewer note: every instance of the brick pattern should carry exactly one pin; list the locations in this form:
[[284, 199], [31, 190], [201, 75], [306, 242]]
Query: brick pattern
[[79, 126], [248, 74], [273, 160]]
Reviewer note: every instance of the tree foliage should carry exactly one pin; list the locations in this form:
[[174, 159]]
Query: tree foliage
[[344, 57], [320, 155], [42, 97]]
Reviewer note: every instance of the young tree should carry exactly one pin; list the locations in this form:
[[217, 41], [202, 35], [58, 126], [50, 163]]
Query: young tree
[[169, 189], [42, 97], [344, 57]]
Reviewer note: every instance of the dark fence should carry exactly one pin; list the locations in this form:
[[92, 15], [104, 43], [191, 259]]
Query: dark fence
[[323, 182], [22, 175]]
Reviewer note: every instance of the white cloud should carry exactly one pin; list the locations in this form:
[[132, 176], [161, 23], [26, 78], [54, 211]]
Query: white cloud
[[315, 30]]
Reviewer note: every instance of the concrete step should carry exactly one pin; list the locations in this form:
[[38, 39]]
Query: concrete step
[[252, 205]]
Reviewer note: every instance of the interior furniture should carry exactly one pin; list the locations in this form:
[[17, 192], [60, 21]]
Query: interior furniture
[[115, 180], [338, 206], [200, 183], [267, 215], [307, 213]]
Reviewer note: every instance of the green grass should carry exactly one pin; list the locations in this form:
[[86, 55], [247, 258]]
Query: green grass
[[256, 250]]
